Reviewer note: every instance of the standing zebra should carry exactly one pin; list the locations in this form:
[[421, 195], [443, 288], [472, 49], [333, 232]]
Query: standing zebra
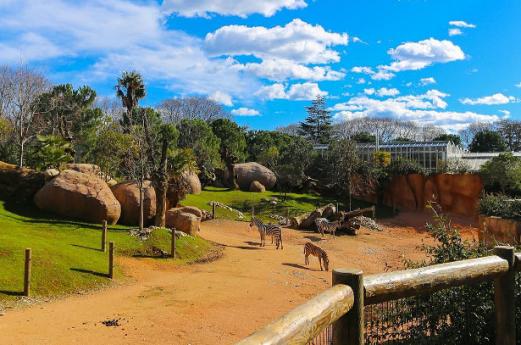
[[323, 225], [311, 249], [267, 229]]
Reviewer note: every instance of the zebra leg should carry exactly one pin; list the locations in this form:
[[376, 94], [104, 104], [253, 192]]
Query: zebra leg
[[320, 262], [306, 259]]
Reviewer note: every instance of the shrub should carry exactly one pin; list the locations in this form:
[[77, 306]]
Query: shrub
[[382, 158], [500, 206], [502, 174], [453, 166], [401, 166]]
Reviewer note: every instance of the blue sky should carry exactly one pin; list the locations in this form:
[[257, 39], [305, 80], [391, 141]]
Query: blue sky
[[448, 63]]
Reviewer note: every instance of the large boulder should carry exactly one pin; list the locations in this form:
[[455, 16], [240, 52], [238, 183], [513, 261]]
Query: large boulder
[[19, 184], [193, 210], [180, 220], [90, 169], [246, 173], [78, 195], [257, 187], [127, 194], [193, 182]]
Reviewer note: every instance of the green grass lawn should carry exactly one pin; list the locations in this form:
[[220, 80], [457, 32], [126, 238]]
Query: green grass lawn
[[288, 204], [65, 253]]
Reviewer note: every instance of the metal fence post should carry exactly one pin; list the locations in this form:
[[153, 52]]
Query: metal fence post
[[349, 329], [504, 299]]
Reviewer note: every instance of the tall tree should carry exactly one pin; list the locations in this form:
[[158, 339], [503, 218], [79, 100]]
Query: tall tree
[[510, 130], [20, 89], [130, 89], [343, 161], [487, 141], [68, 112], [233, 144], [191, 108], [317, 126], [453, 138]]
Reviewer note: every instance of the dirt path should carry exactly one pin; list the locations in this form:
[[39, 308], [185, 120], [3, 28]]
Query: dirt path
[[213, 303]]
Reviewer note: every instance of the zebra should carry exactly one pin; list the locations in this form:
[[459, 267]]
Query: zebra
[[323, 225], [311, 249], [267, 229]]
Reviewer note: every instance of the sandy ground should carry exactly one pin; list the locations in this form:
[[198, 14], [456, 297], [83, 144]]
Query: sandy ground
[[212, 303]]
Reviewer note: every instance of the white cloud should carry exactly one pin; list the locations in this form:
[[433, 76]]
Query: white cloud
[[361, 81], [241, 8], [518, 85], [297, 41], [370, 91], [379, 74], [274, 91], [358, 40], [384, 92], [300, 92], [425, 108], [494, 99], [455, 32], [99, 31], [418, 55], [221, 97], [281, 70], [506, 113], [427, 81], [245, 112], [461, 24]]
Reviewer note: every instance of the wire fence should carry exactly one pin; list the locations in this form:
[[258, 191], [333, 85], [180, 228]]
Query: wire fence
[[461, 315], [324, 338]]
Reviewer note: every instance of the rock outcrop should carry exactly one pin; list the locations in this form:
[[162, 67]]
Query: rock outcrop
[[246, 173], [19, 184], [257, 187], [193, 182], [127, 193], [79, 195], [182, 220]]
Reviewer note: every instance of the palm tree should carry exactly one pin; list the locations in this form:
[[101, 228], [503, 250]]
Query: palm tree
[[130, 89]]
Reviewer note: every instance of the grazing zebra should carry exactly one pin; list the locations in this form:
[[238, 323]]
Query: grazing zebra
[[323, 225], [267, 229], [311, 249]]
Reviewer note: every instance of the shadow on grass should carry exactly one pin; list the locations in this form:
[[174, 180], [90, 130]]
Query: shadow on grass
[[94, 273], [86, 247], [29, 213], [11, 293], [295, 265], [151, 256]]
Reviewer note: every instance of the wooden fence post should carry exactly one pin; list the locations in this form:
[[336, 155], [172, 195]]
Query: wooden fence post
[[349, 329], [504, 299], [374, 212], [111, 260], [337, 210], [172, 244], [104, 237], [213, 210], [27, 272]]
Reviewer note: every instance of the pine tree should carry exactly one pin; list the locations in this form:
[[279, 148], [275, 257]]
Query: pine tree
[[317, 126]]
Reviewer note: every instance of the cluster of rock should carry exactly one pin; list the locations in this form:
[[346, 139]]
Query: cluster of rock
[[307, 220], [368, 223]]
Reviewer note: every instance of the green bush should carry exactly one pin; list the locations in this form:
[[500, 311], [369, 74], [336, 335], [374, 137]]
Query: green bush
[[453, 166], [500, 206], [401, 166], [502, 174]]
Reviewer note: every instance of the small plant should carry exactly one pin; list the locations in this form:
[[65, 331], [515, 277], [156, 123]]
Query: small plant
[[500, 206], [401, 166], [382, 158], [453, 166]]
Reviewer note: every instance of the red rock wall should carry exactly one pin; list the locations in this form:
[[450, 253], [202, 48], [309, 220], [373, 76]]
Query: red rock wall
[[455, 193], [494, 230]]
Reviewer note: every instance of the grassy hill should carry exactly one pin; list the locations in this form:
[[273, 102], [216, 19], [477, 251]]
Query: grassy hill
[[66, 255], [287, 204]]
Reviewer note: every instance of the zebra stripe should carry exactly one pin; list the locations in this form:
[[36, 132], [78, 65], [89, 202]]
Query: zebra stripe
[[311, 249], [323, 226], [268, 229]]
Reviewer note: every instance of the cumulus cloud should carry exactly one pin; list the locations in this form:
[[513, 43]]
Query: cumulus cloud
[[418, 55], [379, 74], [245, 112], [427, 81], [384, 92], [506, 113], [461, 24], [494, 99], [100, 33], [282, 70], [455, 32], [427, 108], [300, 92], [297, 41], [369, 91], [240, 8], [221, 97]]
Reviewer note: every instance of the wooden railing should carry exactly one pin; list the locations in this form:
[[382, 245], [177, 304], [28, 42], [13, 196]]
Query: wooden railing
[[343, 304]]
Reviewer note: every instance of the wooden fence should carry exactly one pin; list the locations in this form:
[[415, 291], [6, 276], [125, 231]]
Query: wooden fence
[[342, 306]]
